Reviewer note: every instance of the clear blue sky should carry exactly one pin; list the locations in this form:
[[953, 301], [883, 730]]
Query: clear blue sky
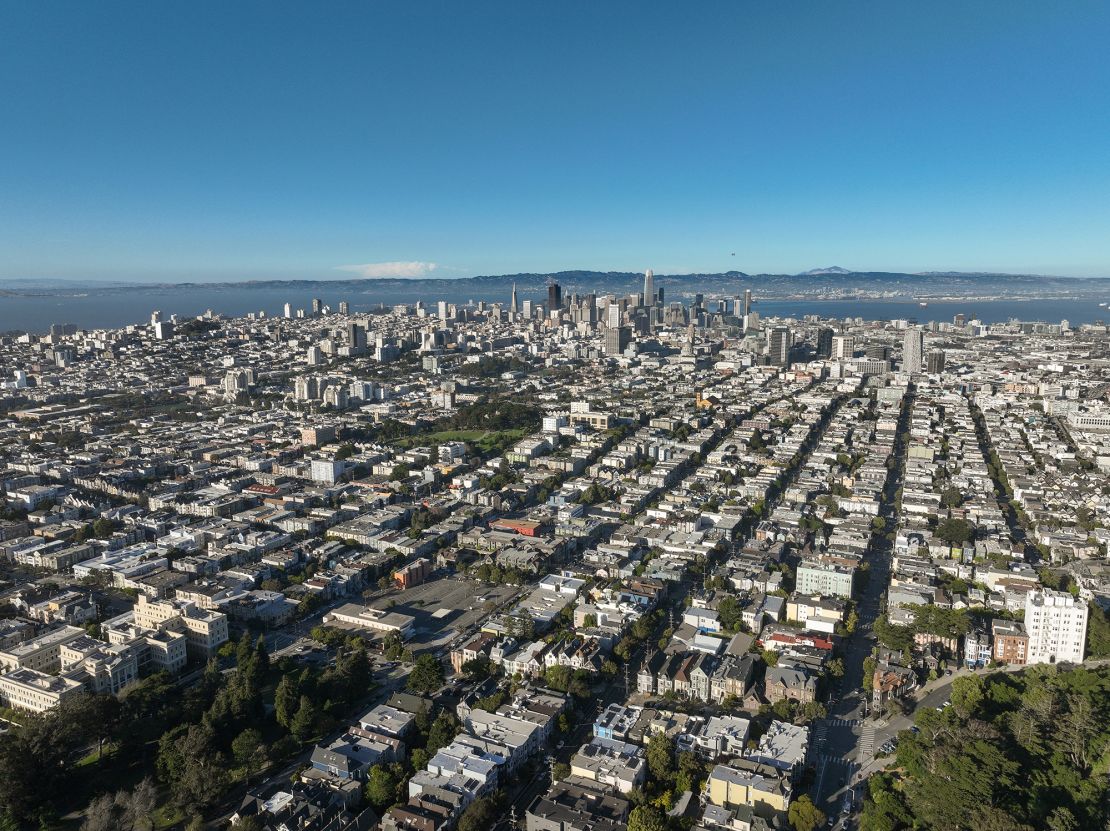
[[240, 140]]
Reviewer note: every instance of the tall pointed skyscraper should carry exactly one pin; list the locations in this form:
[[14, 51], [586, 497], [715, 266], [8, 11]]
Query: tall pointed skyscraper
[[649, 288], [513, 307]]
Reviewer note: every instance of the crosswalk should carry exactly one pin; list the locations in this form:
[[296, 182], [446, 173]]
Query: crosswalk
[[867, 741]]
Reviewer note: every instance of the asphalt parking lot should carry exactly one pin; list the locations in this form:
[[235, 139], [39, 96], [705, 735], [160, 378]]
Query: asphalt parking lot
[[447, 606]]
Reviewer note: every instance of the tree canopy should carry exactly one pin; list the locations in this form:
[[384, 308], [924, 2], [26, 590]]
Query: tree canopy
[[1014, 751]]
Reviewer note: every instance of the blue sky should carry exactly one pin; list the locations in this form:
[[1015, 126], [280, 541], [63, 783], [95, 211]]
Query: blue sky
[[243, 140]]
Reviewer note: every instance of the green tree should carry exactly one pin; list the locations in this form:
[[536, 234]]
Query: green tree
[[189, 763], [480, 815], [478, 668], [103, 528], [661, 757], [381, 788], [952, 497], [967, 693], [1098, 632], [287, 697], [303, 725], [647, 818], [892, 636], [730, 613], [804, 815], [558, 677], [869, 666], [249, 751], [442, 732], [812, 710], [427, 675], [954, 531]]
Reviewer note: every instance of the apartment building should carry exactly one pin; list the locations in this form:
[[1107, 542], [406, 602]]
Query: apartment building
[[1057, 627], [1011, 643], [824, 578]]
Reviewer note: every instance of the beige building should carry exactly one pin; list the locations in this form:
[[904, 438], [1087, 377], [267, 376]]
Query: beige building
[[204, 629], [36, 692], [42, 654], [767, 796]]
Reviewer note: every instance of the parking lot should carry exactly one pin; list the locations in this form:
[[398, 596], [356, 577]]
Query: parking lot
[[445, 607]]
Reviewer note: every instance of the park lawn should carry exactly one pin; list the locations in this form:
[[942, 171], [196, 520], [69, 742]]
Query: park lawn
[[167, 816], [94, 755], [484, 440], [440, 436]]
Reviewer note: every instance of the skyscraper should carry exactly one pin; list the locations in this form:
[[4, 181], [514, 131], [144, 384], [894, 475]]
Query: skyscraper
[[617, 340], [778, 346], [935, 361], [824, 342], [913, 351], [613, 315], [513, 307], [843, 346], [747, 302], [649, 288], [589, 309], [317, 305], [554, 297]]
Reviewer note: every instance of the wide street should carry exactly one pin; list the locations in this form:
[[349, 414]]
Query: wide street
[[844, 741]]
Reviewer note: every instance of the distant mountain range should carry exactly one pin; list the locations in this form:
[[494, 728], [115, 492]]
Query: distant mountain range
[[831, 282]]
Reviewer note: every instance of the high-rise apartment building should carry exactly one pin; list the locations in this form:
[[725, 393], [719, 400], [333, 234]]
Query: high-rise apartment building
[[1056, 623], [779, 340], [824, 342], [843, 347], [913, 351], [317, 305], [935, 362]]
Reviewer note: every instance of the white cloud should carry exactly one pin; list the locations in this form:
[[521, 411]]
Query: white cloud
[[414, 268]]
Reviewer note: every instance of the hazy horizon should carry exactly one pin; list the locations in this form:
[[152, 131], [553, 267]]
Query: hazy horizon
[[77, 282]]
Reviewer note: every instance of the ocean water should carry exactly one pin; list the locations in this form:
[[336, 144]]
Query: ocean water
[[94, 308]]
